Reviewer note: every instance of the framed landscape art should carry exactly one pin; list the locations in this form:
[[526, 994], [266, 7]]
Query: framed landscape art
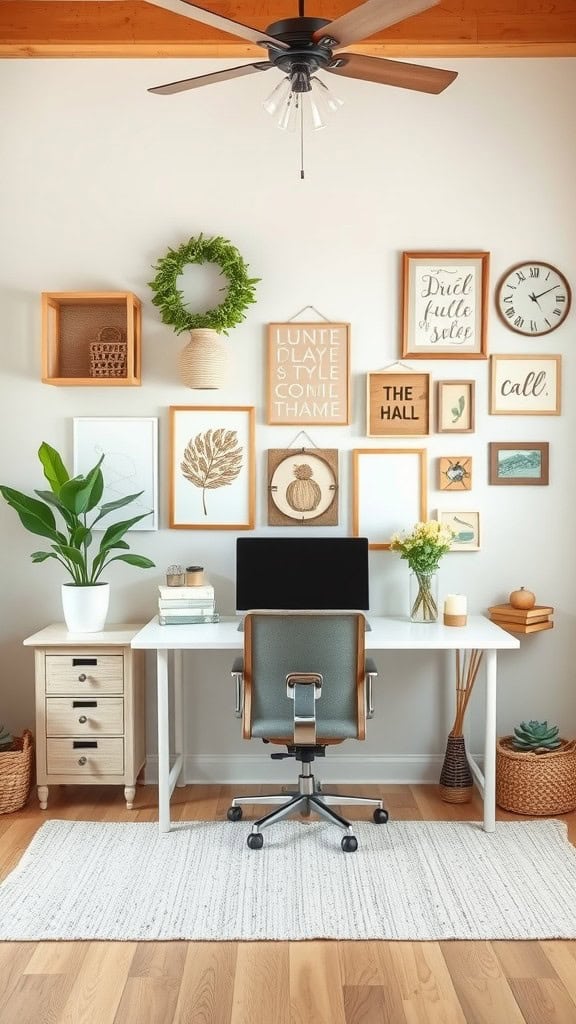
[[445, 303], [519, 462], [212, 478]]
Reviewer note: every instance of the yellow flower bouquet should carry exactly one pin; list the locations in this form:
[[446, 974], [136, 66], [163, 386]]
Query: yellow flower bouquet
[[423, 548]]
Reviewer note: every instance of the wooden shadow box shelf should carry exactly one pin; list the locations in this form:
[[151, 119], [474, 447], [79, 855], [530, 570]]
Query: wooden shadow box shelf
[[73, 321]]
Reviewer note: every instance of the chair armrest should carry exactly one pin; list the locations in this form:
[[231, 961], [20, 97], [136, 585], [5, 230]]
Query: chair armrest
[[371, 673], [237, 673]]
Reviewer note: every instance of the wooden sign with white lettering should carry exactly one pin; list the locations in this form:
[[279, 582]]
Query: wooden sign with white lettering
[[308, 373], [398, 404]]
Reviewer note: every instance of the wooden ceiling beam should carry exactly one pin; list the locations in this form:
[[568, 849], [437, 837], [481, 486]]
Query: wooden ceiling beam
[[115, 28]]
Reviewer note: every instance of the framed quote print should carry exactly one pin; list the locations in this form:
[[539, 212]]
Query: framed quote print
[[309, 373], [525, 385], [212, 478], [398, 404], [445, 304], [389, 492]]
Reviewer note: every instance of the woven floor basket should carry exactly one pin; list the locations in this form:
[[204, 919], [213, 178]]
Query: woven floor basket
[[16, 773], [535, 783]]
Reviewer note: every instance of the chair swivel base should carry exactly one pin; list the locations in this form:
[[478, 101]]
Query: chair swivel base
[[304, 801]]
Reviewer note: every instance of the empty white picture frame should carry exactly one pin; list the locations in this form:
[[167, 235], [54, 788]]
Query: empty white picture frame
[[389, 492], [129, 445]]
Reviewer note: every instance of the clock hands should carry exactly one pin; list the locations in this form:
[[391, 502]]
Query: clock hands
[[540, 294]]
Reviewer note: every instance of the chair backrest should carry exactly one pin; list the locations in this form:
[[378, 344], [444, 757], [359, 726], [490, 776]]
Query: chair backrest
[[278, 643]]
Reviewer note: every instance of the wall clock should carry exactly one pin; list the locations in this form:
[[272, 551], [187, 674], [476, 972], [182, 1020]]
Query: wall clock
[[302, 486], [533, 298]]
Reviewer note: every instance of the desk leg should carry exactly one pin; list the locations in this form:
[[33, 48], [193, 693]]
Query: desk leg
[[490, 745], [163, 741], [179, 710]]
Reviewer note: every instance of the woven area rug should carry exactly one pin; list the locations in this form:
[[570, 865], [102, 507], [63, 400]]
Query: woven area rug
[[408, 880]]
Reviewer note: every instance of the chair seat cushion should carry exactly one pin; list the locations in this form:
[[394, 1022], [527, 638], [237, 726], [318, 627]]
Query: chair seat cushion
[[331, 729]]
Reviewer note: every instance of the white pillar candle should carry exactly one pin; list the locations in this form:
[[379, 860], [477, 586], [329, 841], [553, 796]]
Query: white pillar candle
[[455, 604]]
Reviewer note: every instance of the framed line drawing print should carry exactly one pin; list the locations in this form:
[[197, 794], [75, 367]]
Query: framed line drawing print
[[518, 462], [445, 304], [455, 406], [212, 474], [303, 486], [309, 373], [466, 527], [525, 385], [130, 448], [389, 492], [398, 404]]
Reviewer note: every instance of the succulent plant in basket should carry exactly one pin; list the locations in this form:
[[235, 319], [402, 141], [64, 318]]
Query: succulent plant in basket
[[536, 737], [6, 738]]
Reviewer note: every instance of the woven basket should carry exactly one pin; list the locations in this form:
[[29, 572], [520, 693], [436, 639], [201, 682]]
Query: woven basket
[[109, 354], [456, 783], [16, 773], [203, 361], [529, 783]]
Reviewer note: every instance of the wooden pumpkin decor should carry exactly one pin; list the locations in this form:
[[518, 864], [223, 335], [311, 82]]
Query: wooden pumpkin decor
[[522, 598], [303, 486]]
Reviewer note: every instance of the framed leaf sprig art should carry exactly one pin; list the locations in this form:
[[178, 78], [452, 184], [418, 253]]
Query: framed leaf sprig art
[[212, 474]]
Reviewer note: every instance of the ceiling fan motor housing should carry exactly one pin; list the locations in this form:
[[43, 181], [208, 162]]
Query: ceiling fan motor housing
[[305, 56]]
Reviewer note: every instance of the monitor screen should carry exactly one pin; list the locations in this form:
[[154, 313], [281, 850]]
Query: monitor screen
[[329, 573]]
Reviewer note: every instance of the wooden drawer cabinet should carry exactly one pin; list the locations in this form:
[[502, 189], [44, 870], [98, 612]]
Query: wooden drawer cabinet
[[89, 709]]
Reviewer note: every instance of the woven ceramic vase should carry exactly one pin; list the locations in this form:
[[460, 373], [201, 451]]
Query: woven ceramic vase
[[203, 361], [456, 783]]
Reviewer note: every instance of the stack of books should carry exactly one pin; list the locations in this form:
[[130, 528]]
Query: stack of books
[[518, 620], [186, 604]]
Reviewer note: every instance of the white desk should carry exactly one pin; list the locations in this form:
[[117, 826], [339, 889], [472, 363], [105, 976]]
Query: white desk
[[386, 634]]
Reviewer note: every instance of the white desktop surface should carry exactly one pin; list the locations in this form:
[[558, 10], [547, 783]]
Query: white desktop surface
[[386, 634], [392, 634]]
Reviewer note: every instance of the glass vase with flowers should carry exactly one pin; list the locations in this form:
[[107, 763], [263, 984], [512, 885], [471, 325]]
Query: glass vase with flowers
[[423, 548]]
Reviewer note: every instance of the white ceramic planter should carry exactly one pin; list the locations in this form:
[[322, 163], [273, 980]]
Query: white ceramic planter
[[85, 608]]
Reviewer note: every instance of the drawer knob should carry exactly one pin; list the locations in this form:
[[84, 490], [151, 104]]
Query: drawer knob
[[82, 719], [82, 677], [82, 761]]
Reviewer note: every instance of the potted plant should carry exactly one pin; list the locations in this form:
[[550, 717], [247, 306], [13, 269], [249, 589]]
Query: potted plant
[[85, 598], [16, 754], [536, 770], [203, 361], [423, 548]]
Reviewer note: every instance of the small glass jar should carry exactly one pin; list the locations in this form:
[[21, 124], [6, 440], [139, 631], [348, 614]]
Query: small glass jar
[[194, 575], [175, 576]]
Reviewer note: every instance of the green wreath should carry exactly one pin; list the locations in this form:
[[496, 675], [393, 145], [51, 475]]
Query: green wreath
[[170, 300]]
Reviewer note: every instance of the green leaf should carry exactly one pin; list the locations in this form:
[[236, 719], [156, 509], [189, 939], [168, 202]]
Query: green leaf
[[81, 536], [71, 553], [41, 556], [109, 506], [76, 494], [95, 482], [140, 560], [54, 469], [34, 515], [115, 532]]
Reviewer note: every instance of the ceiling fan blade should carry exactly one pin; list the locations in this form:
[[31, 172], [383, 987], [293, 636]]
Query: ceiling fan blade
[[236, 28], [216, 76], [393, 72], [369, 18]]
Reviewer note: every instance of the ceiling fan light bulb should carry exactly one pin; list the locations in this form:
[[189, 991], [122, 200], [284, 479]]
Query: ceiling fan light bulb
[[277, 98], [289, 115], [325, 95], [317, 122]]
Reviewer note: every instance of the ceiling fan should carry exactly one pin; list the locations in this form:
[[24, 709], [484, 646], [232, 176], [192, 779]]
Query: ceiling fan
[[299, 47]]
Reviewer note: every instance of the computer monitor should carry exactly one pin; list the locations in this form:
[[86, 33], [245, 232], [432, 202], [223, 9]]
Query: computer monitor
[[329, 573]]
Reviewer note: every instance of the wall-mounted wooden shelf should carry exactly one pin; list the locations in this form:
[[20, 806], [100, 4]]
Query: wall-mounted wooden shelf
[[71, 321]]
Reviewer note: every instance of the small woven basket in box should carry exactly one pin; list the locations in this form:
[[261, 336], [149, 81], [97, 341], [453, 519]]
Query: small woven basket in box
[[529, 783], [108, 355], [16, 773]]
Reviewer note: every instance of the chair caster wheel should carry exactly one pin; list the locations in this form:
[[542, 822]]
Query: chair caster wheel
[[234, 813], [380, 816], [349, 844], [255, 840]]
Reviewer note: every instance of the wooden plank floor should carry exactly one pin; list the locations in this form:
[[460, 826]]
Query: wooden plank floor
[[273, 982]]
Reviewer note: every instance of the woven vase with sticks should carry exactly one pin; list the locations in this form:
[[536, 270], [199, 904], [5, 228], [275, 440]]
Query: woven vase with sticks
[[456, 783]]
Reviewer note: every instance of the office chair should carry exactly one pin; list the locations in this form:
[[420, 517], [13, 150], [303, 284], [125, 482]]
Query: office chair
[[304, 683]]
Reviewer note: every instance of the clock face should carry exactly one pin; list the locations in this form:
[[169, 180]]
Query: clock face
[[533, 298]]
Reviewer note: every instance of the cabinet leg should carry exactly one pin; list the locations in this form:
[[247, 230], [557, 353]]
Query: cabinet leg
[[43, 797], [129, 794]]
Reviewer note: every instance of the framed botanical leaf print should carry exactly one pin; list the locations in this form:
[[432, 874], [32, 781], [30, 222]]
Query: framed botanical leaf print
[[212, 478]]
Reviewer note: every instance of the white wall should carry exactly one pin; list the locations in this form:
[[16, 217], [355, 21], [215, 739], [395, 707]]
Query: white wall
[[98, 178]]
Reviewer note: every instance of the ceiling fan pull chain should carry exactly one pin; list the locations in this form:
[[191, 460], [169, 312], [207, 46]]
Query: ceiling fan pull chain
[[301, 141]]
